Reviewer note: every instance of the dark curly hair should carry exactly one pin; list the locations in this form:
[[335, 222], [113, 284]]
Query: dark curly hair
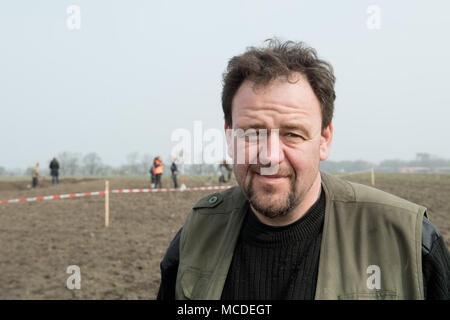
[[263, 65]]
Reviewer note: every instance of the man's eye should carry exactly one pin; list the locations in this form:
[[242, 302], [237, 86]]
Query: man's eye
[[293, 135]]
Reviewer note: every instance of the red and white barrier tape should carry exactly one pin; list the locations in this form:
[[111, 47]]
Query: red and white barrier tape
[[97, 193]]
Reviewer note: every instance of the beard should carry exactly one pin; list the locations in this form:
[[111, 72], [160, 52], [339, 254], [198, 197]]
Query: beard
[[267, 202]]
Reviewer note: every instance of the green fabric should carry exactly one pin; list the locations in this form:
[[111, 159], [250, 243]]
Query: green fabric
[[371, 245], [367, 227], [207, 243]]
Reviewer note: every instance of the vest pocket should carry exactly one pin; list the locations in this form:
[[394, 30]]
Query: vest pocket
[[378, 295], [194, 284]]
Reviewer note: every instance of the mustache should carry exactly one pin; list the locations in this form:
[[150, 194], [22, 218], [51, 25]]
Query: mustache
[[284, 172]]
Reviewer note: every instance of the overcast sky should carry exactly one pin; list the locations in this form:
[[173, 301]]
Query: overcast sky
[[136, 70]]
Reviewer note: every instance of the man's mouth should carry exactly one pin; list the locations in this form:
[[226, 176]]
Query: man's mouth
[[270, 178]]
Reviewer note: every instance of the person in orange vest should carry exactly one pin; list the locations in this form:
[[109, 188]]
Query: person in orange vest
[[158, 169]]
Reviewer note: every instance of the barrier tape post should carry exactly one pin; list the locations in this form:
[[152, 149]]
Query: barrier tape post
[[183, 186], [106, 203]]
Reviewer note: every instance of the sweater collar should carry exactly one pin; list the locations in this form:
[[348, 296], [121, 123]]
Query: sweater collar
[[307, 226]]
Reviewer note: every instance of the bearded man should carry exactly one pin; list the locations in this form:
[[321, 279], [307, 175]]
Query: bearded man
[[289, 231]]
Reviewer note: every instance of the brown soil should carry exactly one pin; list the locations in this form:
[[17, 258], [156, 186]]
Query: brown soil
[[39, 240]]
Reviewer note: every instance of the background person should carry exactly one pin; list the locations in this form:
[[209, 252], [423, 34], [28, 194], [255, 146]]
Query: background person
[[35, 176], [158, 170], [54, 171], [225, 172], [174, 171]]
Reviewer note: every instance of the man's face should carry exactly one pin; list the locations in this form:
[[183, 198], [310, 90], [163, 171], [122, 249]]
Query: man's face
[[294, 110]]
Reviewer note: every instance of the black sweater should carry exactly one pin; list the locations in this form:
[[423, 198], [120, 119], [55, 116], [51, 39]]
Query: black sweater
[[274, 263]]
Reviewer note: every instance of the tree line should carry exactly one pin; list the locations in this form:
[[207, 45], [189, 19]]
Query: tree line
[[76, 164], [422, 162], [91, 164]]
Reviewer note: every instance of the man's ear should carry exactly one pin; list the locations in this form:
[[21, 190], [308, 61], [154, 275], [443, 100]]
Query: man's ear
[[325, 141], [229, 136]]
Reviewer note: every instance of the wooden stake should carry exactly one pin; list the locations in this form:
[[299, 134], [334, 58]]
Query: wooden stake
[[106, 203], [373, 176], [182, 170]]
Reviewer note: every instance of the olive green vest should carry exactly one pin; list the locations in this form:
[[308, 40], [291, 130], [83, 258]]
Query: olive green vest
[[371, 244]]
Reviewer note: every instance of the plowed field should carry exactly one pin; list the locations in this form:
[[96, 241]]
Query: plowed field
[[39, 240]]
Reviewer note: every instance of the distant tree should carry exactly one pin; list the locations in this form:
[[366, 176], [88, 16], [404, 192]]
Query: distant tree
[[69, 163], [346, 166], [145, 164], [2, 171], [92, 164], [430, 161], [105, 170], [423, 157], [16, 172], [28, 171], [193, 169], [329, 166], [361, 165], [205, 169], [132, 163], [393, 163]]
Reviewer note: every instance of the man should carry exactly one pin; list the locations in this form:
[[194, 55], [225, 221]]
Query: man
[[225, 171], [174, 171], [35, 176], [54, 171], [158, 169], [289, 231]]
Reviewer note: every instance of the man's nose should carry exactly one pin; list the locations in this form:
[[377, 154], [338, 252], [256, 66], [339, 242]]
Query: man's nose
[[270, 152]]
